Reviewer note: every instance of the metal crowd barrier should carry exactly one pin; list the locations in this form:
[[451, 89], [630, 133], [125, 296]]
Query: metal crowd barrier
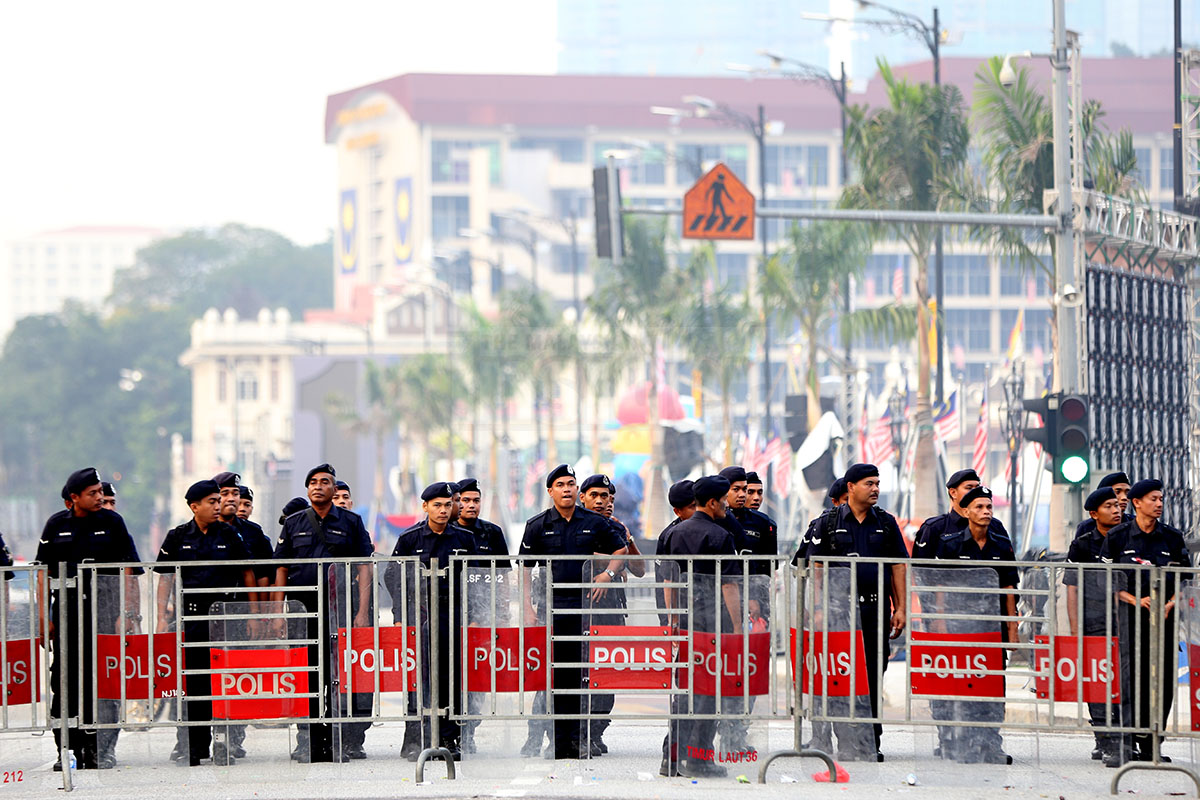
[[662, 646]]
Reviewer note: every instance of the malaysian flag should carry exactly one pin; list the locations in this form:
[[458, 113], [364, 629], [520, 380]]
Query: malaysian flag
[[946, 419], [779, 454], [979, 456], [879, 442], [898, 283]]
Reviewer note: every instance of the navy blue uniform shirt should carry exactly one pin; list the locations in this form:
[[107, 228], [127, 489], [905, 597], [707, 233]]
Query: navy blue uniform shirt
[[586, 533], [996, 552], [100, 536], [934, 528], [489, 541], [1129, 544], [220, 543], [258, 546], [421, 541], [877, 536], [342, 535]]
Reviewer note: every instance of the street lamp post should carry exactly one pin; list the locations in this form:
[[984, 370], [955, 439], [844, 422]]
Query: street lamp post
[[931, 36], [896, 427], [1014, 421]]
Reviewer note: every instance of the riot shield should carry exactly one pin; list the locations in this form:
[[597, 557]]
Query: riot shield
[[404, 631], [957, 661], [21, 664], [118, 653], [352, 603], [835, 679]]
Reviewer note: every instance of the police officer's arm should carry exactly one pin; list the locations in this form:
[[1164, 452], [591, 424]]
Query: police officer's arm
[[1070, 576], [1179, 557], [896, 549], [1009, 578], [636, 566], [1110, 553], [133, 595], [614, 546], [528, 612], [283, 549], [364, 546]]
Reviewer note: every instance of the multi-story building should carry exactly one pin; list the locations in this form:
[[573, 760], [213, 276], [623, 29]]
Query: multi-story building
[[44, 271]]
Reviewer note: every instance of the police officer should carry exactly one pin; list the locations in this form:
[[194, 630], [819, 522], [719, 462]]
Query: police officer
[[1096, 596], [6, 559], [291, 507], [205, 538], [489, 543], [567, 529], [437, 537], [86, 532], [754, 491], [954, 520], [701, 534], [979, 542], [342, 498], [245, 508], [861, 528], [682, 497], [322, 531], [258, 547], [110, 496], [822, 738], [596, 494], [1146, 540], [1119, 483]]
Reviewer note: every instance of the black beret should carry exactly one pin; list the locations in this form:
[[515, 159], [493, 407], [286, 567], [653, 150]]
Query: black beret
[[317, 470], [962, 476], [858, 472], [1145, 487], [973, 495], [291, 507], [439, 489], [468, 485], [246, 492], [838, 489], [454, 487], [65, 494], [200, 490], [592, 481], [1099, 498], [733, 474], [710, 487], [227, 479], [752, 477], [681, 494], [108, 489], [561, 471], [80, 480], [341, 485], [1112, 479]]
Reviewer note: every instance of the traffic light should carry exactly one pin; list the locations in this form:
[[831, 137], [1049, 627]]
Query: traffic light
[[1073, 455], [1046, 407], [607, 205]]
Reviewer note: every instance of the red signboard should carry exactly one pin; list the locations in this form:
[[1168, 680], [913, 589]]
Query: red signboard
[[136, 669], [1100, 670], [1194, 683], [955, 670], [395, 660], [735, 666], [19, 681], [825, 669], [503, 654], [631, 663], [255, 673]]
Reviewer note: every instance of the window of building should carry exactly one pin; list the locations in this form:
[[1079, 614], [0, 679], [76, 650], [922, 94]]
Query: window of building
[[878, 278], [569, 203], [451, 214], [247, 386], [647, 166], [693, 160], [560, 258], [967, 275], [1016, 281], [566, 150], [970, 328], [794, 167], [221, 385], [733, 271], [1143, 167], [1166, 168], [274, 384], [451, 160]]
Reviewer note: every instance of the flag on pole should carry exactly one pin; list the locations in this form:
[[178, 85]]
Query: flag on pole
[[879, 443], [779, 455], [979, 456], [1015, 337], [945, 419], [898, 282], [862, 433]]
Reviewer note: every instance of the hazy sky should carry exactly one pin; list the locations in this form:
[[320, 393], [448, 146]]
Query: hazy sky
[[197, 113]]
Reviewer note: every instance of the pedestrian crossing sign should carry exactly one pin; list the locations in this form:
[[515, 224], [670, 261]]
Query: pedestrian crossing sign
[[718, 206]]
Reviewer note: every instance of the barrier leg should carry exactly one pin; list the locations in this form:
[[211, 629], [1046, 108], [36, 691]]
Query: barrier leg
[[821, 754], [64, 702], [434, 750], [1130, 767]]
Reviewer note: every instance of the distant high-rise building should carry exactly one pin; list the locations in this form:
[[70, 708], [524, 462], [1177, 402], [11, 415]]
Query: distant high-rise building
[[44, 271], [701, 37]]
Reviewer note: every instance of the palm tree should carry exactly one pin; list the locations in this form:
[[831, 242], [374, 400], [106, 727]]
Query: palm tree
[[431, 384], [632, 304], [551, 345], [716, 328], [804, 280], [381, 416], [906, 154]]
